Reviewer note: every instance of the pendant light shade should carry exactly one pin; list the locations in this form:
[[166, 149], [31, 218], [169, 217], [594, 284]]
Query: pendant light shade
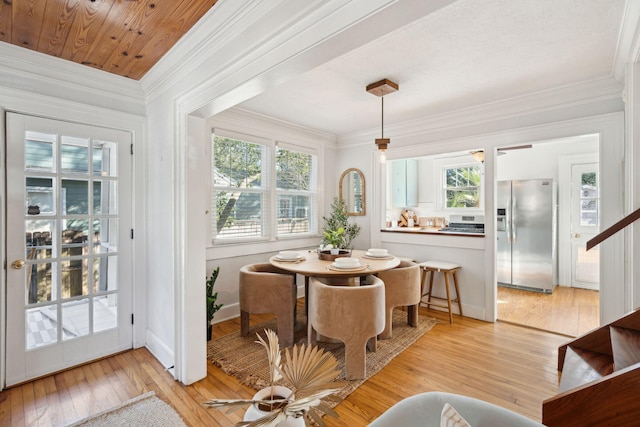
[[382, 88]]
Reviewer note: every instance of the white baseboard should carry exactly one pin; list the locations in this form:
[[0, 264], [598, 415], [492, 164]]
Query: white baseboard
[[160, 350]]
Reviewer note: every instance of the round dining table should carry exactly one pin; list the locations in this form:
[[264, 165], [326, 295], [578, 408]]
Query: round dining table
[[309, 264]]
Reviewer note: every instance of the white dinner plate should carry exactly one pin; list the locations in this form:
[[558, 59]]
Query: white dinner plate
[[334, 266], [296, 259], [387, 256]]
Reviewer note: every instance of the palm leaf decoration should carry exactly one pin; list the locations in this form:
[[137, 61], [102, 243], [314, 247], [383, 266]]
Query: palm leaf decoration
[[311, 373], [309, 369], [272, 346]]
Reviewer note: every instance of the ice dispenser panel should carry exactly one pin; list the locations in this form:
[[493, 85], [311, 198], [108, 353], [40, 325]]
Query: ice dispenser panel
[[501, 219]]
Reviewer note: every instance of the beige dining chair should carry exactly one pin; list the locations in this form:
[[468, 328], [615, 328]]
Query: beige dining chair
[[351, 314], [402, 288], [268, 289]]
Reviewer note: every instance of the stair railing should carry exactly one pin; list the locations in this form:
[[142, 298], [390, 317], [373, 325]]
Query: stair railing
[[633, 216]]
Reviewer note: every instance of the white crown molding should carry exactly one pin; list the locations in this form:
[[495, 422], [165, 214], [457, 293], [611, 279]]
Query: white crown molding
[[575, 95], [240, 120], [242, 41], [30, 70], [218, 27], [237, 32]]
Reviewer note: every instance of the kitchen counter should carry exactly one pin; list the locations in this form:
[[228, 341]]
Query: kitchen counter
[[428, 230]]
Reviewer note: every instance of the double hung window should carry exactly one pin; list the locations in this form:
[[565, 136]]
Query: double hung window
[[461, 187], [261, 190]]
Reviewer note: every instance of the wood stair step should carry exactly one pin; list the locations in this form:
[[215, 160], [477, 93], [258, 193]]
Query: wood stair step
[[582, 367], [625, 344]]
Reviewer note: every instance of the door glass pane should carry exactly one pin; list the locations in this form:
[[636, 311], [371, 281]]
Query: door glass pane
[[40, 281], [589, 203], [105, 312], [39, 196], [42, 326], [75, 319], [38, 151], [105, 274], [74, 241], [104, 158], [74, 278], [104, 197], [74, 155], [38, 241], [75, 197], [105, 235]]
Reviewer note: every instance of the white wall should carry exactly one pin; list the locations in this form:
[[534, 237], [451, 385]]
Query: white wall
[[358, 157], [541, 161]]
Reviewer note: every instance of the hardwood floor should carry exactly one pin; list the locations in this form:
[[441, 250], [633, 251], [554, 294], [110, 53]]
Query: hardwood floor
[[508, 365], [568, 311]]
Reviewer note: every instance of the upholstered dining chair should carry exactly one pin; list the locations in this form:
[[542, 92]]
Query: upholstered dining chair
[[268, 289], [401, 288], [351, 314]]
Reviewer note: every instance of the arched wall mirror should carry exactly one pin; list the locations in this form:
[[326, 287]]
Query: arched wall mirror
[[352, 191]]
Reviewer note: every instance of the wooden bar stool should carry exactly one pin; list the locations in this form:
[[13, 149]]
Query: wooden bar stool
[[446, 268]]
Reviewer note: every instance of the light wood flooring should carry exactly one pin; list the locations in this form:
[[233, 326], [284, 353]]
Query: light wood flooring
[[508, 365], [567, 311]]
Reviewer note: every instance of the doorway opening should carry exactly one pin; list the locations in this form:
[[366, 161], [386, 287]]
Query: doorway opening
[[546, 278]]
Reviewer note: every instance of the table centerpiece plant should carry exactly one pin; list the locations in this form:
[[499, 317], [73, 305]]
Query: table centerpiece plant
[[338, 231], [309, 375]]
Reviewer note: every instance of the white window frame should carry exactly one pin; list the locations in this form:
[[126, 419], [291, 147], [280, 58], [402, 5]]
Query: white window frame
[[312, 193], [442, 189], [270, 208]]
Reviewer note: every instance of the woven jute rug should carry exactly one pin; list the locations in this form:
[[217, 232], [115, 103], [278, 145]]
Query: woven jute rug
[[142, 411], [246, 360]]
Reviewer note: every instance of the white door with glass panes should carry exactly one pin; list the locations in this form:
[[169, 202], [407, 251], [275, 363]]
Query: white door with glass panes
[[69, 245], [585, 224]]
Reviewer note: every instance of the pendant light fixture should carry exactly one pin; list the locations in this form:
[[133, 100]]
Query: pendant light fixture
[[382, 88], [478, 156]]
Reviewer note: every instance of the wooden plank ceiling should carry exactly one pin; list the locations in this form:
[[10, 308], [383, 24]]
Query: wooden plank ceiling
[[124, 37]]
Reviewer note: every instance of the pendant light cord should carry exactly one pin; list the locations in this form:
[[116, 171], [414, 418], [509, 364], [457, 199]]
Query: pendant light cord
[[382, 121]]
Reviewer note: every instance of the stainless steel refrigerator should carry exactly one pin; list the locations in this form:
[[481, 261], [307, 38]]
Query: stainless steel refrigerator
[[527, 234]]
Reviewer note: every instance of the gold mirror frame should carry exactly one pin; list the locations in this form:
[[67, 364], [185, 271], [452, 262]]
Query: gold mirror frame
[[352, 191]]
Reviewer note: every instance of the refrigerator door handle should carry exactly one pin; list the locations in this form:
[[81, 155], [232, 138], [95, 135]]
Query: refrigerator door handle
[[508, 221], [514, 219]]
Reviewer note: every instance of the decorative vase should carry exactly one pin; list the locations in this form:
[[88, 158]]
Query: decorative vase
[[208, 331], [254, 412]]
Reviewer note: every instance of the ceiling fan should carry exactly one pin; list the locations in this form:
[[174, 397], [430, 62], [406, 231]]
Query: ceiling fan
[[516, 147]]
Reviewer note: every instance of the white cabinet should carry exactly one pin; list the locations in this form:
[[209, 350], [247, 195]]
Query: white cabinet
[[404, 183]]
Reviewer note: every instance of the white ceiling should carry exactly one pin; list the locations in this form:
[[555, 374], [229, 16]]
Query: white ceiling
[[468, 53]]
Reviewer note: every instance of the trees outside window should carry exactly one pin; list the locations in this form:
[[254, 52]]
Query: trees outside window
[[253, 183], [462, 186], [295, 184]]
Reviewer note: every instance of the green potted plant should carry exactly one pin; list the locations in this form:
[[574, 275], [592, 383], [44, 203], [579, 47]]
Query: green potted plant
[[338, 231], [335, 238], [212, 307]]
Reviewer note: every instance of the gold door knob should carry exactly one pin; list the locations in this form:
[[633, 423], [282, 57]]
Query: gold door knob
[[18, 264], [577, 235]]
